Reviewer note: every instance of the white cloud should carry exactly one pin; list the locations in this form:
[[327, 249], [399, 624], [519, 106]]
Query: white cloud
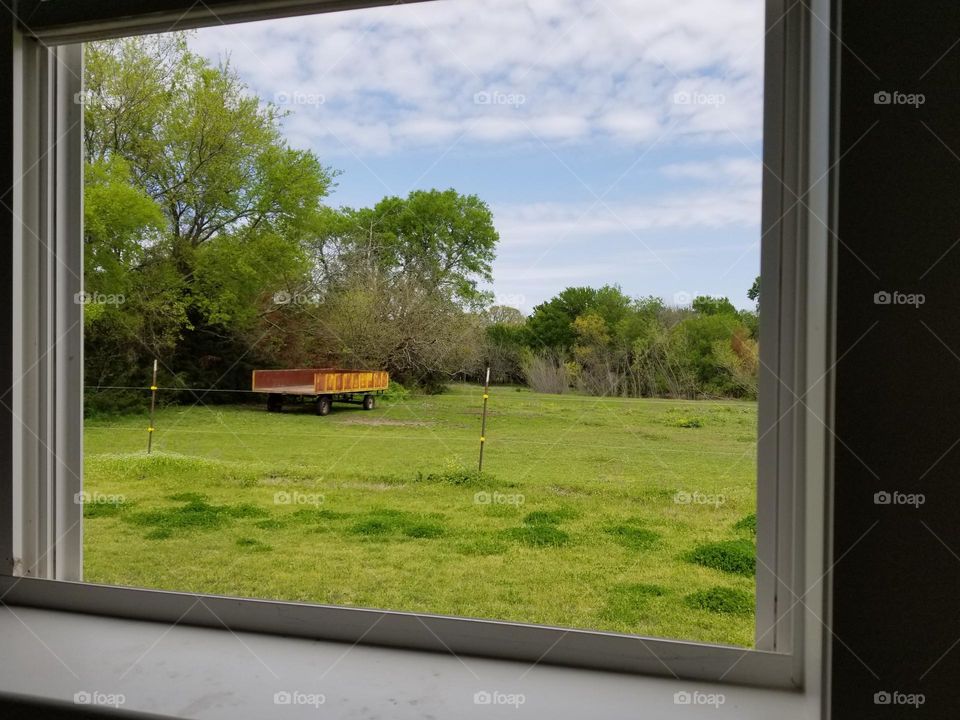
[[406, 76], [726, 194]]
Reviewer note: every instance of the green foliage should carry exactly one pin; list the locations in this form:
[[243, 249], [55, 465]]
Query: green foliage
[[733, 556], [685, 422], [104, 508], [253, 545], [632, 537], [195, 514], [748, 523], [721, 600], [195, 212], [395, 393], [706, 305], [455, 474], [384, 523], [538, 536]]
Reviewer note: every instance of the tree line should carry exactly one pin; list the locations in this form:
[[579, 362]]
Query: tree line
[[209, 245]]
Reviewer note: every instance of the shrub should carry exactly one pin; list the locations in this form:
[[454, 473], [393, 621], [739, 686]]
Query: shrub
[[635, 538], [685, 422], [395, 392], [732, 556], [748, 523], [721, 600], [454, 474], [545, 373]]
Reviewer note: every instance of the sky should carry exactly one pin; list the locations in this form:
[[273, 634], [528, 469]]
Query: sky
[[616, 141]]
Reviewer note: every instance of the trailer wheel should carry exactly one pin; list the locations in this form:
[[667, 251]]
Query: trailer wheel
[[368, 402], [323, 405], [274, 403]]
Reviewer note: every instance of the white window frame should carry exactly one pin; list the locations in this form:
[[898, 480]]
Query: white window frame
[[44, 568]]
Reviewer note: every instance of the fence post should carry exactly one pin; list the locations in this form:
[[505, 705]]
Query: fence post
[[483, 422], [153, 405]]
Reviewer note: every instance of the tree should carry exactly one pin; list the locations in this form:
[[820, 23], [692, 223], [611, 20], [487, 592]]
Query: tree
[[223, 204]]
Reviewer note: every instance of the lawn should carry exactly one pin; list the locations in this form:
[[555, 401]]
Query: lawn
[[615, 514]]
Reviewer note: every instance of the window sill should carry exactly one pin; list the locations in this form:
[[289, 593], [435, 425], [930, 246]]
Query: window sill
[[196, 672]]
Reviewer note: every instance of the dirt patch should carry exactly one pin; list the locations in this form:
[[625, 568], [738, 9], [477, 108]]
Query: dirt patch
[[386, 422]]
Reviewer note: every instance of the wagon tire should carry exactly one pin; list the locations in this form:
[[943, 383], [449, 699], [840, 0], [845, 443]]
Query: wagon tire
[[323, 406], [368, 402], [274, 403]]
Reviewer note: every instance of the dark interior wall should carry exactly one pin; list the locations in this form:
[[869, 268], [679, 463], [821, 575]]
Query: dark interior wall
[[897, 573]]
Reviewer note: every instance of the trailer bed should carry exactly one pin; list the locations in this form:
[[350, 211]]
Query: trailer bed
[[321, 386]]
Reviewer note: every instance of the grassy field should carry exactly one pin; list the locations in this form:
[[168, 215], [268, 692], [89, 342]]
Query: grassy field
[[615, 514]]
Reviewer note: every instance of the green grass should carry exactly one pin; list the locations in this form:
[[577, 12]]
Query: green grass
[[732, 556], [573, 521], [721, 599]]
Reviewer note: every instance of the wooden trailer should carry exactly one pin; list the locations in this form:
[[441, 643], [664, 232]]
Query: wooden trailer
[[320, 386]]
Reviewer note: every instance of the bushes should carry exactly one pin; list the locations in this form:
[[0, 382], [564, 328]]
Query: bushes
[[395, 392], [545, 373], [733, 556]]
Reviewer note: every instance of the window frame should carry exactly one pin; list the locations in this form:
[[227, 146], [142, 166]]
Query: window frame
[[44, 568]]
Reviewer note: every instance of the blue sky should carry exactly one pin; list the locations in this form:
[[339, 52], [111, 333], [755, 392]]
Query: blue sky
[[616, 141]]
